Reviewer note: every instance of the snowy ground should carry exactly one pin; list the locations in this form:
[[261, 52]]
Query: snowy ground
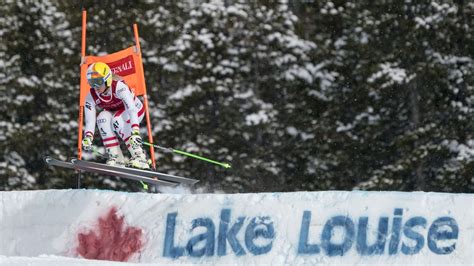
[[62, 227], [46, 260]]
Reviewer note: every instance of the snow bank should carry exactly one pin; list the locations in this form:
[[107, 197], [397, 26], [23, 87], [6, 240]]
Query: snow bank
[[379, 228]]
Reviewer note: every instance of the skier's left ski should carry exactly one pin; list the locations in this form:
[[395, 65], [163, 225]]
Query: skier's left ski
[[152, 177], [139, 172], [70, 165], [55, 162], [122, 174]]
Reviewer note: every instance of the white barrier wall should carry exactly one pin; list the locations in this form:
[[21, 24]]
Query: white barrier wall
[[272, 228]]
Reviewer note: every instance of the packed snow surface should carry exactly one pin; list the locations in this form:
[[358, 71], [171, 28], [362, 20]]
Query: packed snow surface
[[93, 227]]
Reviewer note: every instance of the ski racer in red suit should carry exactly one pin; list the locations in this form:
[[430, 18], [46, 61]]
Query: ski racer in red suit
[[120, 116]]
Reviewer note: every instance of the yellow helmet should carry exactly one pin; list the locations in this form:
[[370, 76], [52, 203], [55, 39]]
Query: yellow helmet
[[98, 74]]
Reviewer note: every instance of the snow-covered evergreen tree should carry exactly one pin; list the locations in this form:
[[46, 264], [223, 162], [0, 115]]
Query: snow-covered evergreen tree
[[34, 119], [234, 67], [398, 119], [296, 95]]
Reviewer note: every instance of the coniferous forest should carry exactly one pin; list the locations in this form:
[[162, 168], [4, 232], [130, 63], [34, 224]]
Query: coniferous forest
[[296, 95]]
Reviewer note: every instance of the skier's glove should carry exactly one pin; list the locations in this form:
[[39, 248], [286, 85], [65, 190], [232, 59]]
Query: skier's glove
[[87, 142], [135, 139]]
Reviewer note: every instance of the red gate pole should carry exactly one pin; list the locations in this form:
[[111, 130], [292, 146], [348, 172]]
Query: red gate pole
[[145, 96]]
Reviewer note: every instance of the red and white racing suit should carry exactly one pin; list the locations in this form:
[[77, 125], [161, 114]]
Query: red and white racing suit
[[121, 111]]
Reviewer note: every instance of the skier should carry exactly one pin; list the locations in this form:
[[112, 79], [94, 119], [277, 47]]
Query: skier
[[121, 115]]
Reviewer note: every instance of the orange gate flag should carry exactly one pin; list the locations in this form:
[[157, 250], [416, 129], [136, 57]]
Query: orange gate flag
[[126, 63]]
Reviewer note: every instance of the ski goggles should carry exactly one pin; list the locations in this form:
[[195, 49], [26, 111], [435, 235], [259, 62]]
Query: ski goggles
[[96, 82]]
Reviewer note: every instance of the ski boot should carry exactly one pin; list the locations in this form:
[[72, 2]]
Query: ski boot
[[115, 156], [138, 159]]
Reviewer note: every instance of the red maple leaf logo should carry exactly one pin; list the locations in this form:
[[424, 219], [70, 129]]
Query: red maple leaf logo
[[111, 240]]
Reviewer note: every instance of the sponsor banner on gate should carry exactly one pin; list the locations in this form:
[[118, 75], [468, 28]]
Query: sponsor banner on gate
[[270, 228], [123, 67]]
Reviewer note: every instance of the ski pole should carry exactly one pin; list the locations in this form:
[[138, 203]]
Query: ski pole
[[225, 165]]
